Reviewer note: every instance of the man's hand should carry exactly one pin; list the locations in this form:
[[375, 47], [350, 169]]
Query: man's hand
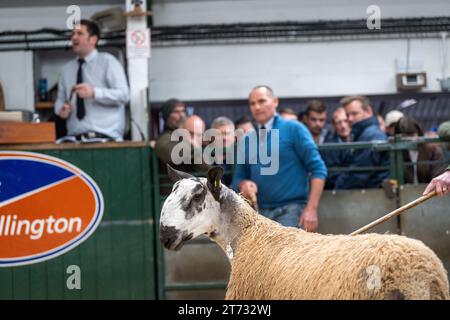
[[309, 220], [441, 184], [84, 90], [65, 110], [248, 188]]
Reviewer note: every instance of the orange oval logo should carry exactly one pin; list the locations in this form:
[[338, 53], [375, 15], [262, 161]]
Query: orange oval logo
[[47, 207]]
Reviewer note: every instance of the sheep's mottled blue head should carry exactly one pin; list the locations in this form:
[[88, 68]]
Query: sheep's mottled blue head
[[192, 208]]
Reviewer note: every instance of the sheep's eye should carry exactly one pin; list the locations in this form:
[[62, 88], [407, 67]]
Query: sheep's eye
[[197, 197]]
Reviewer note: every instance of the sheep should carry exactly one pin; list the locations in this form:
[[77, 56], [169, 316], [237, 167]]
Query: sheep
[[270, 261]]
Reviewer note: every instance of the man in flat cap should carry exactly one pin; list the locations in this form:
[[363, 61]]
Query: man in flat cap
[[391, 119], [444, 131], [173, 112]]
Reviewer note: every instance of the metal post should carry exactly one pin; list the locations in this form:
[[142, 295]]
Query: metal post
[[138, 54], [160, 268]]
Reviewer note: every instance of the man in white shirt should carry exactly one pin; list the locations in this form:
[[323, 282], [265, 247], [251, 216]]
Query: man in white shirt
[[93, 89]]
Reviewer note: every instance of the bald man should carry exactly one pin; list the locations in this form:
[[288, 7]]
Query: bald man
[[339, 157], [188, 151], [196, 127], [341, 125]]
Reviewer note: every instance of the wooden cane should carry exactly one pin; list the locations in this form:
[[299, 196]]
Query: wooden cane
[[69, 101], [395, 213], [254, 201]]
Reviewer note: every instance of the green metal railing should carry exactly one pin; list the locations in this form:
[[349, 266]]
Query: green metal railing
[[395, 147]]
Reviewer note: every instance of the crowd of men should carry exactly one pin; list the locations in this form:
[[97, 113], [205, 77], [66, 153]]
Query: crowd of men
[[353, 121], [291, 194]]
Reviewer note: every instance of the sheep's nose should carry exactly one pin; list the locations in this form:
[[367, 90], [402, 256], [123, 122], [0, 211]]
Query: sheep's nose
[[168, 235]]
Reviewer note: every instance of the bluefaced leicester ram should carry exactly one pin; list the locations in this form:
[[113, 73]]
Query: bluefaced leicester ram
[[269, 261]]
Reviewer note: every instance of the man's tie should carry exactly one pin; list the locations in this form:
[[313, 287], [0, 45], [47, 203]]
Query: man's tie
[[81, 111], [262, 134]]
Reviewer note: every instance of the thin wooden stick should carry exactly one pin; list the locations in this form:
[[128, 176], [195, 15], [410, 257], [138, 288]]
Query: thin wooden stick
[[394, 213], [254, 201]]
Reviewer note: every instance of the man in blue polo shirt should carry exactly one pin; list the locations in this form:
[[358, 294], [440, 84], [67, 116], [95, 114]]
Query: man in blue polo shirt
[[291, 194]]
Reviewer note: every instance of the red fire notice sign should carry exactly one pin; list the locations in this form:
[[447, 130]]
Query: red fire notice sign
[[47, 207]]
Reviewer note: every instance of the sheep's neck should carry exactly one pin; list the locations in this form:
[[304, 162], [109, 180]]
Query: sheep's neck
[[236, 215]]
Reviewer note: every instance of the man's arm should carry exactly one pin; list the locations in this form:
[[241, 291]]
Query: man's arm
[[164, 147], [117, 91], [308, 154], [309, 218], [61, 96]]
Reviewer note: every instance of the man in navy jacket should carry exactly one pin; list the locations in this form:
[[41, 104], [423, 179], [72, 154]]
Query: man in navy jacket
[[365, 128]]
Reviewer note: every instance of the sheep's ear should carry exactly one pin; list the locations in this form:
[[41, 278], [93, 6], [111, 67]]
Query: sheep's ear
[[215, 175], [176, 175]]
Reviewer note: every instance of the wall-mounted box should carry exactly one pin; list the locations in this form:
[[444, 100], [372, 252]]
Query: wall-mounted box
[[411, 81], [445, 84]]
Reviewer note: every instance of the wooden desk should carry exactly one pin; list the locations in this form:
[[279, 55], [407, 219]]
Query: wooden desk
[[25, 132], [71, 146]]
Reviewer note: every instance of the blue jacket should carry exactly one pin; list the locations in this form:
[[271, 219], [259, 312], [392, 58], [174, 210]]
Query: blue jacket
[[334, 158], [299, 161], [365, 130]]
